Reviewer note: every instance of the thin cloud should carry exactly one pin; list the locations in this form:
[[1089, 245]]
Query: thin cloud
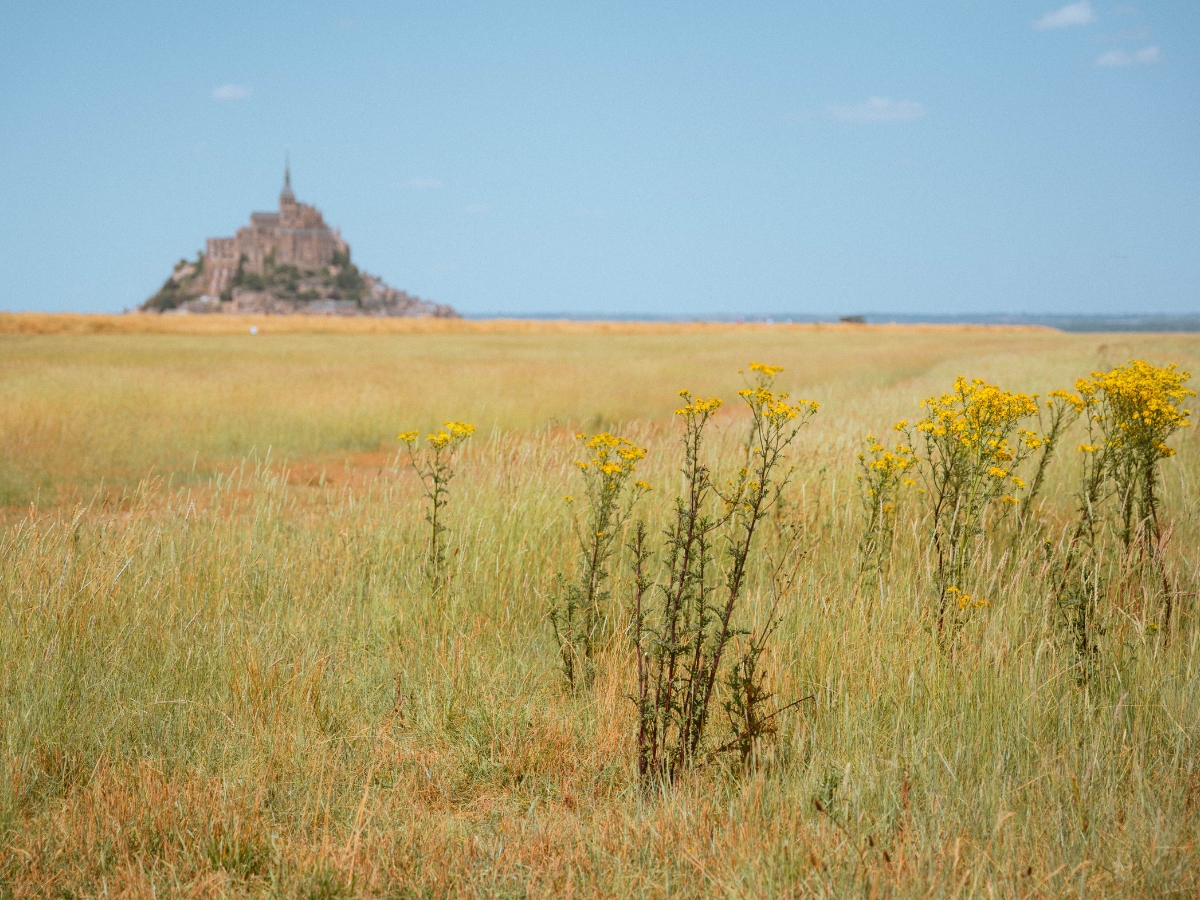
[[1080, 13], [423, 184], [878, 109], [1147, 56], [228, 92]]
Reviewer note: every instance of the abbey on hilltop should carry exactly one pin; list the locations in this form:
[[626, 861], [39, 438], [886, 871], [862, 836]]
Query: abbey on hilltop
[[284, 262], [295, 236]]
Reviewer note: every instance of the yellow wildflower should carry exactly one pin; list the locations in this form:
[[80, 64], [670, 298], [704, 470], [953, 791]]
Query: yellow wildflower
[[769, 371]]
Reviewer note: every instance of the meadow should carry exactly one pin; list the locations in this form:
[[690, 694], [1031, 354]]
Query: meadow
[[225, 672]]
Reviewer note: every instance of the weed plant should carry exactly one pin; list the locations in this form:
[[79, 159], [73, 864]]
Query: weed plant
[[434, 466], [685, 622], [581, 615], [883, 482], [970, 446], [1130, 412]]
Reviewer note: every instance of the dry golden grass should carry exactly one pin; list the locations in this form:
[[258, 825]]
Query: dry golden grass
[[228, 679], [82, 409], [81, 323]]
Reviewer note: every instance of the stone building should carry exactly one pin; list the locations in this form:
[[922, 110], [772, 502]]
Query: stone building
[[297, 235]]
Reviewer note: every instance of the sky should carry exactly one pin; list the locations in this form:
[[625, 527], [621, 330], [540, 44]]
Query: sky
[[682, 159]]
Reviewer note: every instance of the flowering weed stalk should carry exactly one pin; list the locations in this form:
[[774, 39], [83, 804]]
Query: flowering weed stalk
[[1061, 411], [970, 447], [1131, 412], [882, 479], [671, 620], [683, 625], [578, 618], [435, 467]]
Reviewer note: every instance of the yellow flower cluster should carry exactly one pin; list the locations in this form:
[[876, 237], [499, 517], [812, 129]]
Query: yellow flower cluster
[[697, 406], [979, 416], [1143, 400], [611, 455], [773, 407], [887, 463], [766, 370], [1067, 397], [1030, 438], [964, 600], [451, 433]]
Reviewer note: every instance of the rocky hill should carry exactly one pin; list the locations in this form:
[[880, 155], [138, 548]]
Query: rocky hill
[[337, 289]]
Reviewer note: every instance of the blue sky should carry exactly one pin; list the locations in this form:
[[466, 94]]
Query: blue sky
[[686, 159]]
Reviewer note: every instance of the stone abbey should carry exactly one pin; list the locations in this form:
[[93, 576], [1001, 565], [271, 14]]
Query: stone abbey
[[284, 263], [296, 236]]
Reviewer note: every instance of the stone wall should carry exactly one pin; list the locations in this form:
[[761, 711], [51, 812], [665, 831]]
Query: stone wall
[[220, 264], [297, 235]]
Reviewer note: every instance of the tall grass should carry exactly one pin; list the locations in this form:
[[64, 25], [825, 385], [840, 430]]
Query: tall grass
[[238, 684]]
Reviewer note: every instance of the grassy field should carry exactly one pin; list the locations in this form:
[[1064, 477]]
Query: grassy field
[[223, 674]]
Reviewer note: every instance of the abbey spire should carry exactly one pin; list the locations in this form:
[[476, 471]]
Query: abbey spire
[[286, 195]]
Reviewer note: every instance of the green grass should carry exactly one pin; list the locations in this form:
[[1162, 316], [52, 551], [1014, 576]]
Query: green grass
[[229, 680]]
